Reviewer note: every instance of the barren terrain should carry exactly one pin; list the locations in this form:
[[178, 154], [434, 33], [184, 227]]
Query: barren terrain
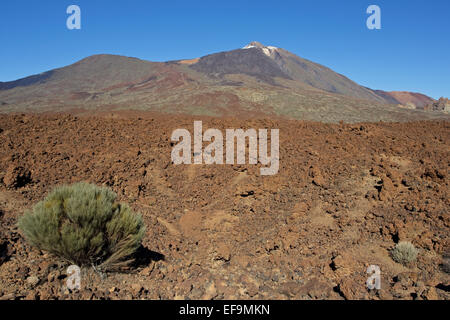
[[345, 194]]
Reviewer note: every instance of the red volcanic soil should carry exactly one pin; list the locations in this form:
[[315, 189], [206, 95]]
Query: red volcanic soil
[[344, 196]]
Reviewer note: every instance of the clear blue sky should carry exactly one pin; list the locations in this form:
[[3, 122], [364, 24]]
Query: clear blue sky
[[411, 51]]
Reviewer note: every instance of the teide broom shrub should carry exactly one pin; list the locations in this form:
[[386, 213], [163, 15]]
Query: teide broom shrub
[[404, 252], [84, 225]]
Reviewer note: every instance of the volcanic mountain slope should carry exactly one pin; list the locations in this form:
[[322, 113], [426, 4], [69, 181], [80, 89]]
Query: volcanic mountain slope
[[313, 74], [413, 100], [249, 82], [265, 63], [93, 75]]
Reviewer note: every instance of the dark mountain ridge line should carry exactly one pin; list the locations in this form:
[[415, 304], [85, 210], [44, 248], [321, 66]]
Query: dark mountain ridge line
[[251, 62], [27, 81]]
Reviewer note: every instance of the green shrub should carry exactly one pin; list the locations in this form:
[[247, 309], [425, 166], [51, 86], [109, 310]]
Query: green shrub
[[404, 252], [84, 225]]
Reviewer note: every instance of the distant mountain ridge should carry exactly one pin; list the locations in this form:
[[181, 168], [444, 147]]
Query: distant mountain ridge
[[254, 80], [413, 99], [28, 81]]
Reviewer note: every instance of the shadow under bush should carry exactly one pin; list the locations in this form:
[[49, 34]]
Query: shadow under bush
[[144, 256]]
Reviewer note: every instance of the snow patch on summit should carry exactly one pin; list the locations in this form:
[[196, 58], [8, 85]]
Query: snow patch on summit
[[268, 50]]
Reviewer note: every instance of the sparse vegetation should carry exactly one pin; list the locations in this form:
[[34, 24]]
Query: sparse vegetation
[[404, 252], [84, 225], [445, 266]]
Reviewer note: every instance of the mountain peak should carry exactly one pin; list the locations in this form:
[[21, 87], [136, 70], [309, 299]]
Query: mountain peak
[[268, 50], [254, 44]]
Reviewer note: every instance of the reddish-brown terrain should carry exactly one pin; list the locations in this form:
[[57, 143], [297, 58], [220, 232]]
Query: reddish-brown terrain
[[345, 194], [412, 100]]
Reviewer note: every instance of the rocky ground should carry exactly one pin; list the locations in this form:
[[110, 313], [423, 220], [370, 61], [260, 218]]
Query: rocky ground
[[344, 196]]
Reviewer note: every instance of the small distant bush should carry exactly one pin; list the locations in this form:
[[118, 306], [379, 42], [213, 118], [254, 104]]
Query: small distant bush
[[445, 266], [404, 252], [84, 225]]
